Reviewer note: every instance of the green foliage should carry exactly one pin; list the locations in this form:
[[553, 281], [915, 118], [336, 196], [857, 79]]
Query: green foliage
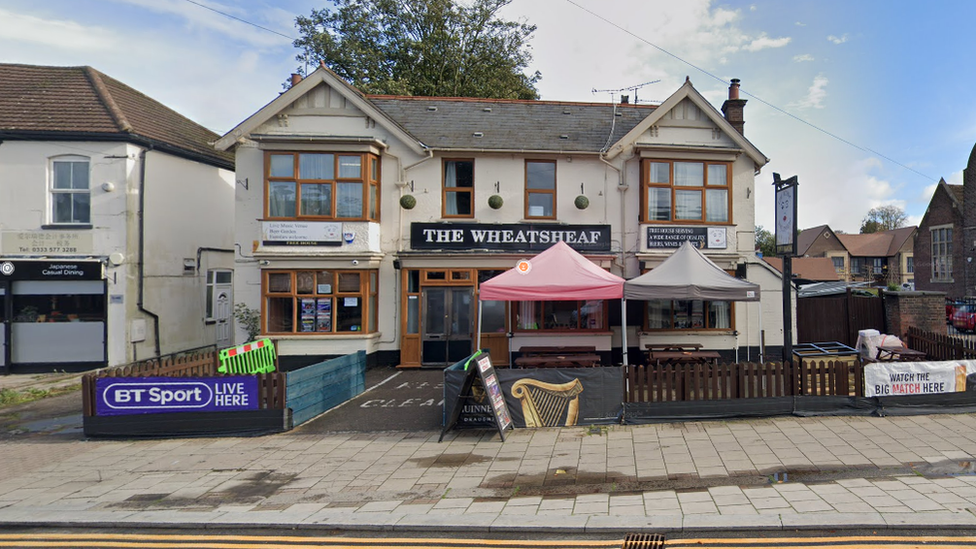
[[883, 218], [427, 48], [248, 319], [408, 201], [582, 202], [495, 201], [9, 397], [765, 242]]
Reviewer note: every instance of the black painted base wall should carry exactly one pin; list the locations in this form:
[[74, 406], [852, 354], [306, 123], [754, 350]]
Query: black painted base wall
[[256, 422]]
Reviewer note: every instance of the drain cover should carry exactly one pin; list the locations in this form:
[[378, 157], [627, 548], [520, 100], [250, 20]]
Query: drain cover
[[643, 541]]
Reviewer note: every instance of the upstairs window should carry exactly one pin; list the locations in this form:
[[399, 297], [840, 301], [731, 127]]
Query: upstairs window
[[685, 191], [540, 189], [458, 195], [942, 254], [70, 191], [322, 186]]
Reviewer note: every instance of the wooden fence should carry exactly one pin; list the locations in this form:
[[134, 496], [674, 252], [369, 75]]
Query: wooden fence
[[938, 346], [684, 382], [271, 386]]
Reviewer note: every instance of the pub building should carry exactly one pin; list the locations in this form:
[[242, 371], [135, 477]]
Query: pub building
[[369, 222]]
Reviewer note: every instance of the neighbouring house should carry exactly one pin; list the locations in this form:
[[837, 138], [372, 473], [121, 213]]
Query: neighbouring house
[[369, 222], [884, 258], [116, 224], [807, 270], [944, 261]]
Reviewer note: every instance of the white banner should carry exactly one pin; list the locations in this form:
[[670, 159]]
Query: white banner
[[918, 378]]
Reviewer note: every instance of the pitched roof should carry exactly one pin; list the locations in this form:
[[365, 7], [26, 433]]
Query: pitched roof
[[75, 103], [500, 124], [883, 244], [807, 237], [808, 268]]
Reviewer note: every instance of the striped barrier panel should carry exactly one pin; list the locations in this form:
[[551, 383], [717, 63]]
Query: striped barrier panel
[[255, 357]]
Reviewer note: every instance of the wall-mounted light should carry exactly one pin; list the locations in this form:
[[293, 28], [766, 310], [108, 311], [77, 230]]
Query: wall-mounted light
[[108, 186]]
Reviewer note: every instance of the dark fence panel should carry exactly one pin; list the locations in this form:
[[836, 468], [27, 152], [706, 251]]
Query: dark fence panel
[[938, 346], [314, 389]]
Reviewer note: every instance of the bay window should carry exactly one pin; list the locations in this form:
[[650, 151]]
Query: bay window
[[685, 191], [561, 315], [314, 185], [688, 315], [320, 301]]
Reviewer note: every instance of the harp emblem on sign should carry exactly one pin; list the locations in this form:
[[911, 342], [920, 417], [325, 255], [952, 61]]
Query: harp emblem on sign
[[548, 404]]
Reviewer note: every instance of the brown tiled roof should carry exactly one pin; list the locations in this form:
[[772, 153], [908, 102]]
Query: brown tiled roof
[[40, 102], [807, 237], [820, 269], [883, 244], [957, 191]]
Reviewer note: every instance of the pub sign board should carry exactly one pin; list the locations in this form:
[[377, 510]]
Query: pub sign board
[[50, 270], [116, 396], [508, 236]]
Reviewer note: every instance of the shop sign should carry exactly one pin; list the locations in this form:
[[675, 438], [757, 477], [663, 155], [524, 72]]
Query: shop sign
[[154, 395], [301, 233], [508, 236], [50, 270], [883, 379], [46, 242], [674, 237]]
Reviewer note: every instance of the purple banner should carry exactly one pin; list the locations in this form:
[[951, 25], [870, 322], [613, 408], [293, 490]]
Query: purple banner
[[155, 395]]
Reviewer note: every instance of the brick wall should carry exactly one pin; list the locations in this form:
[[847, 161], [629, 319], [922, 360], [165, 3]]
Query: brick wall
[[924, 310], [942, 211]]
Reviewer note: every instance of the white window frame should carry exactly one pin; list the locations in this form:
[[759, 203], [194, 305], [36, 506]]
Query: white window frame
[[212, 283], [53, 192]]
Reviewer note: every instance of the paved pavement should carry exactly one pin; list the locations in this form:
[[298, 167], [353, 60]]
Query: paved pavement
[[840, 472]]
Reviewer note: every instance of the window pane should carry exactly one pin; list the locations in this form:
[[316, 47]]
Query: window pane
[[79, 175], [687, 205], [323, 282], [688, 314], [62, 175], [282, 165], [540, 205], [81, 209], [413, 314], [279, 282], [372, 311], [349, 314], [458, 203], [281, 199], [658, 314], [591, 315], [492, 316], [305, 282], [540, 175], [317, 199], [560, 315], [659, 204], [349, 282], [323, 314], [62, 208], [689, 174], [350, 167], [717, 205], [349, 201], [459, 173], [373, 201], [717, 174], [316, 166], [719, 314], [374, 172], [660, 172], [280, 314], [527, 318]]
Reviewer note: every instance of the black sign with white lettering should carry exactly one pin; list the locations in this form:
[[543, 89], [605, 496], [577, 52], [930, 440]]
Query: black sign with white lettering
[[50, 270], [508, 236], [674, 237]]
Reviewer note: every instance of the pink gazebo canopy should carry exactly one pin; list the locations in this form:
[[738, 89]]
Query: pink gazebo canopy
[[560, 273]]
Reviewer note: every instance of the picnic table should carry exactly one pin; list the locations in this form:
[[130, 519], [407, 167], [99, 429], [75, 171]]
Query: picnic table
[[529, 350], [568, 360], [682, 357], [896, 353], [673, 346]]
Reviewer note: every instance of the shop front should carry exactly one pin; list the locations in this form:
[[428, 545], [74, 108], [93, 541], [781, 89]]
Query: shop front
[[444, 269], [53, 315]]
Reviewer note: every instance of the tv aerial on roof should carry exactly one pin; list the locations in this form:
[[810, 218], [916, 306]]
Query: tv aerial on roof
[[633, 88]]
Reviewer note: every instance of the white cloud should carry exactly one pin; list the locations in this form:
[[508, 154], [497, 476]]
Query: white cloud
[[815, 94], [20, 28], [763, 42], [837, 39], [802, 58], [799, 24], [955, 178]]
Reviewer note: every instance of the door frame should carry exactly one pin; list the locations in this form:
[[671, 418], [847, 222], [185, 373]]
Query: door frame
[[449, 292]]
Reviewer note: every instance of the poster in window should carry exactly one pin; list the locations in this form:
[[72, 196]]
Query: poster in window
[[323, 319], [308, 307], [350, 301]]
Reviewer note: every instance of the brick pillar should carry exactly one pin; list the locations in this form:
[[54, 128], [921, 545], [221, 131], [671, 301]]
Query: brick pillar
[[924, 310]]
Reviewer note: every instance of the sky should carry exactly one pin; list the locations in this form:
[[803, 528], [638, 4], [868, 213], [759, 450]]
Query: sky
[[868, 103]]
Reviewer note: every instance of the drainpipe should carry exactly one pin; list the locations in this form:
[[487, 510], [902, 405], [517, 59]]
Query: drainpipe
[[622, 187], [142, 248]]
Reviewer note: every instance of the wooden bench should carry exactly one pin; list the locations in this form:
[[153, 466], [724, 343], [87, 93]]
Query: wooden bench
[[683, 357], [893, 353], [566, 350], [673, 346]]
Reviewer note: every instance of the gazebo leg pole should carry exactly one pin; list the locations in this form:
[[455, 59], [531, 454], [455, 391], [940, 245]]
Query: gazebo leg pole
[[478, 346], [623, 327]]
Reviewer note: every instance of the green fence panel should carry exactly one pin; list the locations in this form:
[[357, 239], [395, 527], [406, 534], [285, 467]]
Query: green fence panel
[[314, 389], [255, 357]]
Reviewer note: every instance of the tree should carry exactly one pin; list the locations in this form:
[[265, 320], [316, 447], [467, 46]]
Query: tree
[[883, 218], [421, 47], [765, 242]]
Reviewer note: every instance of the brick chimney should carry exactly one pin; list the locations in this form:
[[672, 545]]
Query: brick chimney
[[732, 109], [296, 78]]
